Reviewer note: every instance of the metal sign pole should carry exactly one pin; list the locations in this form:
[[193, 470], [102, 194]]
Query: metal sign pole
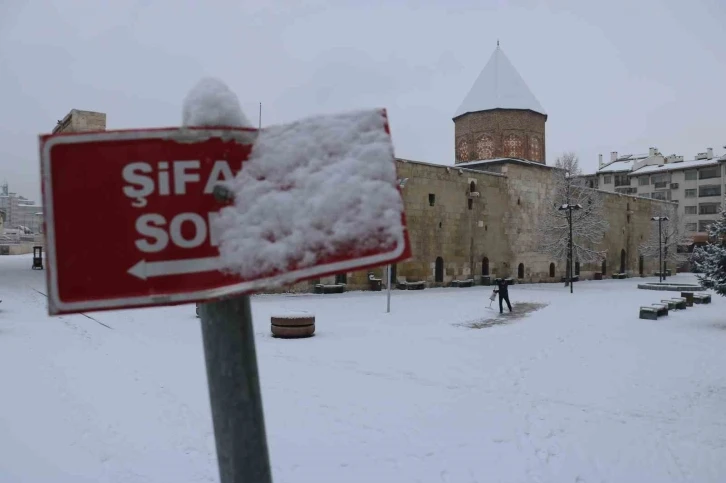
[[234, 391], [388, 288]]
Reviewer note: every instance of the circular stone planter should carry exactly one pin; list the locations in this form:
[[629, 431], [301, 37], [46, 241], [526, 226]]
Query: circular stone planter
[[293, 325], [673, 287]]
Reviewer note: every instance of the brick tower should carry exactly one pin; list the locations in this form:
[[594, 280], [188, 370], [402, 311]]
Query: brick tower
[[500, 117]]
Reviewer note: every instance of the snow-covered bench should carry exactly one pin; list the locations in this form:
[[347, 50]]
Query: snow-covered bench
[[701, 298], [292, 325], [680, 303], [650, 313], [404, 284], [463, 283], [620, 276], [670, 303], [331, 288], [662, 309]]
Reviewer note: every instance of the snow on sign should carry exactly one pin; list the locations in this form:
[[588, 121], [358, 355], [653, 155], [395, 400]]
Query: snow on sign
[[132, 221]]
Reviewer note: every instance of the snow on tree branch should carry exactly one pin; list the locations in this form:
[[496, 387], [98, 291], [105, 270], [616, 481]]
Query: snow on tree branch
[[672, 235], [710, 260], [589, 223]]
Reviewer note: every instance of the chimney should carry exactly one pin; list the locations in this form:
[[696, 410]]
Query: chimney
[[613, 156], [709, 153], [652, 151], [599, 162]]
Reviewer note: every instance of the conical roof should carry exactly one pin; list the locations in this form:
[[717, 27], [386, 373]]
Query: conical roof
[[499, 86]]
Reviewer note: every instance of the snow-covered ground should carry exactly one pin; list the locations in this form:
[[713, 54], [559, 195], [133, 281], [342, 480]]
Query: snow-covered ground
[[579, 391]]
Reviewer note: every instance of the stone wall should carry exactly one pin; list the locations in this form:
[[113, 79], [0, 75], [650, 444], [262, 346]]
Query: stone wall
[[81, 121], [500, 133], [495, 232]]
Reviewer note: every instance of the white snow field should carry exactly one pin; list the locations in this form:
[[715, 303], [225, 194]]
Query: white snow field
[[579, 391]]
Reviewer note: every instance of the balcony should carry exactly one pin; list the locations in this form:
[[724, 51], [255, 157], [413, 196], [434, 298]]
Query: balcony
[[660, 185]]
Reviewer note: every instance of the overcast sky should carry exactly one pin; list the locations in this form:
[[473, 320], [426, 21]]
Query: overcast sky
[[619, 75]]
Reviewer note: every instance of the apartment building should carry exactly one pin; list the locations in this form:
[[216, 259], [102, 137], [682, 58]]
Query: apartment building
[[697, 185]]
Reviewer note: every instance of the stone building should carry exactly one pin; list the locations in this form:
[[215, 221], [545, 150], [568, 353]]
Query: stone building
[[478, 216], [500, 117], [79, 121]]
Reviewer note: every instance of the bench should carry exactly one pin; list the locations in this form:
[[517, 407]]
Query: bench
[[333, 288], [405, 285], [620, 276], [650, 313], [671, 304], [463, 283], [661, 308], [680, 303], [701, 298]]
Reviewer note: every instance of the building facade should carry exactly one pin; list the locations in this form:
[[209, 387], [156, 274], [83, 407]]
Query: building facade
[[478, 216], [696, 185]]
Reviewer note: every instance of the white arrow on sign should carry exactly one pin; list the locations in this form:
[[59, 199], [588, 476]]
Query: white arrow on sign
[[144, 269]]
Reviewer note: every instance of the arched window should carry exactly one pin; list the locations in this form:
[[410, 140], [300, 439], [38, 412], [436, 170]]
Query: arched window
[[577, 268], [623, 259], [472, 187], [439, 270], [604, 267], [552, 269], [520, 271], [641, 262]]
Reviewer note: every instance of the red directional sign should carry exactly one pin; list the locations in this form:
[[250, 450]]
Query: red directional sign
[[128, 217]]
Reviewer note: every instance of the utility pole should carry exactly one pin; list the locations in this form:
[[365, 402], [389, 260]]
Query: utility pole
[[572, 282], [570, 248], [660, 220]]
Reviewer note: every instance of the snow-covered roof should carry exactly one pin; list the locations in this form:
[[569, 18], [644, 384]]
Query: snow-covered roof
[[681, 165], [470, 164], [499, 86], [624, 163], [455, 166], [493, 160]]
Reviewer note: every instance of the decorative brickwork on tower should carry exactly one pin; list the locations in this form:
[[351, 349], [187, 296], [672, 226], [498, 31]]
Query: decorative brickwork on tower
[[500, 133]]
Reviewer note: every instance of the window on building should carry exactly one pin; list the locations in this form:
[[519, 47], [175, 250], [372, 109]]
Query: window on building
[[710, 190], [660, 178], [470, 203], [644, 181], [622, 179], [690, 210], [607, 179], [704, 224], [710, 172], [691, 227], [691, 175], [432, 199], [708, 208], [690, 193], [660, 195]]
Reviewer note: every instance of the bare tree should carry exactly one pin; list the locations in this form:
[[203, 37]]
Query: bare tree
[[572, 208], [670, 236]]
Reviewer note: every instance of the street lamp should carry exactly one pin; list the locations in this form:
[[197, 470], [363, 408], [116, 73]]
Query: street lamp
[[568, 208], [401, 184], [660, 220]]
